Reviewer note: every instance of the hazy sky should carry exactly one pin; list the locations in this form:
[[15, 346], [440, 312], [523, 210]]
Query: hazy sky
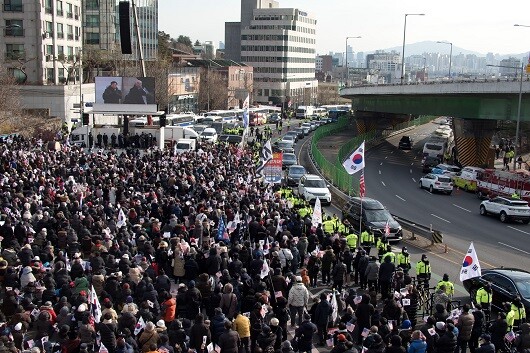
[[482, 26]]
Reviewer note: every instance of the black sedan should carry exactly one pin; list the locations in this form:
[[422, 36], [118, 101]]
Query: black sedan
[[506, 284], [273, 118], [428, 163], [405, 143]]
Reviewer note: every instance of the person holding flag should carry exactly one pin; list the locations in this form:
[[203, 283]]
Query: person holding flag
[[266, 156], [323, 313]]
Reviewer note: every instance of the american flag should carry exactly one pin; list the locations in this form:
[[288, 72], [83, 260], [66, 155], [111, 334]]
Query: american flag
[[222, 233], [362, 186]]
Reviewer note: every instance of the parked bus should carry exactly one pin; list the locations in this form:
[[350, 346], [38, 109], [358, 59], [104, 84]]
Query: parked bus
[[257, 116], [336, 107], [304, 111], [228, 116], [334, 115], [320, 112]]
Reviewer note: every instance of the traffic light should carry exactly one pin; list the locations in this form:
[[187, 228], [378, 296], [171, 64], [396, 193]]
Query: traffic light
[[86, 119], [162, 120]]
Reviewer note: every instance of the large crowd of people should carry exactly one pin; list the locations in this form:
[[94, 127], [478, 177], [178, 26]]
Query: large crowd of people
[[154, 252]]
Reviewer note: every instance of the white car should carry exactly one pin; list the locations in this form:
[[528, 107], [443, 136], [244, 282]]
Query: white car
[[307, 128], [312, 186], [289, 138], [437, 182], [506, 209], [209, 135], [446, 169]]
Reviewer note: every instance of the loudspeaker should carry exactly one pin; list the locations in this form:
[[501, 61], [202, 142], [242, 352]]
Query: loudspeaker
[[125, 27]]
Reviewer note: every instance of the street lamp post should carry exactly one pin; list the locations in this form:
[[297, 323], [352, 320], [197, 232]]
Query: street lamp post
[[450, 55], [403, 51], [518, 108], [346, 58]]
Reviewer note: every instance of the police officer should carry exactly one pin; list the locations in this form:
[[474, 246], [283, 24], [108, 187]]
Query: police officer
[[329, 225], [390, 254], [423, 271], [517, 314], [381, 245], [351, 240], [403, 259], [449, 286], [484, 297], [367, 240]]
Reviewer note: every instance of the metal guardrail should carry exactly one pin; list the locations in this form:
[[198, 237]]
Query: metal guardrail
[[435, 236]]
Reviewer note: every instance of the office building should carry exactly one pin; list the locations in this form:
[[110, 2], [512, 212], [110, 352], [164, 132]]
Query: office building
[[510, 67], [102, 28], [384, 64], [280, 43], [41, 40]]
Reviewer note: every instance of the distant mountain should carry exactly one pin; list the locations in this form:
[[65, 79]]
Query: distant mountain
[[432, 47]]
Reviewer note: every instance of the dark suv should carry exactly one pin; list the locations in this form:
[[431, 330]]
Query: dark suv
[[405, 143], [429, 162], [374, 216]]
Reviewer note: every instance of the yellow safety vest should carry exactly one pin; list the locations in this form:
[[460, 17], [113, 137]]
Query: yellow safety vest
[[422, 268], [449, 287], [402, 259], [483, 297], [367, 238], [392, 256], [351, 241], [329, 226]]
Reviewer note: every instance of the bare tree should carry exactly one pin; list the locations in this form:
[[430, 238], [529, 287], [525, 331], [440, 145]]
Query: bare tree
[[213, 92], [10, 106]]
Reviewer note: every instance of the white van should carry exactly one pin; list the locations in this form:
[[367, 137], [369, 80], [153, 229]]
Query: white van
[[209, 135]]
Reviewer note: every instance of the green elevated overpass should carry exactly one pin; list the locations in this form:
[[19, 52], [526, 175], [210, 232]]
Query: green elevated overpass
[[476, 107]]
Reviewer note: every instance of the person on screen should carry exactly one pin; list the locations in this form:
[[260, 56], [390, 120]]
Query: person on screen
[[137, 94], [112, 94]]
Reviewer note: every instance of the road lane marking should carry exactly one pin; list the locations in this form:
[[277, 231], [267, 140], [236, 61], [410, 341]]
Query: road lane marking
[[386, 157], [514, 248], [522, 231], [399, 197], [382, 182], [462, 208], [410, 171], [412, 162], [414, 180], [379, 171], [381, 163], [445, 220]]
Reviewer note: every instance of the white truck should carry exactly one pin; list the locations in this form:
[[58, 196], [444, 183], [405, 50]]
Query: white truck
[[80, 135], [437, 146], [185, 145]]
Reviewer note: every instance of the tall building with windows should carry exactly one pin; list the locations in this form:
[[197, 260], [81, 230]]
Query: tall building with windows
[[41, 40], [102, 28], [280, 43]]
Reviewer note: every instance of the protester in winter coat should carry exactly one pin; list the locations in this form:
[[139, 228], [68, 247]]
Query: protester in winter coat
[[108, 330], [485, 344], [169, 308], [197, 332], [304, 334], [465, 327], [447, 342], [229, 341], [522, 341], [372, 272], [417, 344], [148, 337], [364, 313], [298, 299], [321, 318], [228, 301]]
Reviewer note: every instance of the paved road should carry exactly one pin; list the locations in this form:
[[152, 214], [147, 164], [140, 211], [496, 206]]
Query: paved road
[[392, 176]]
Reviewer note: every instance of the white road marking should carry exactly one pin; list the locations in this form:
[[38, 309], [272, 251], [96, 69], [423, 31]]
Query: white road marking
[[522, 231], [386, 157], [410, 171], [445, 220], [412, 162], [414, 180], [399, 197], [381, 163], [462, 208], [382, 182], [379, 171], [514, 248]]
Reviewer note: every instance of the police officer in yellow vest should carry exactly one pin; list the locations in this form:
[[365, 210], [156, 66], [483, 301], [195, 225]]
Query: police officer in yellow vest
[[329, 226], [449, 286], [423, 271], [403, 259], [516, 196], [351, 240], [484, 297], [342, 228], [390, 254], [516, 316], [367, 240], [380, 245]]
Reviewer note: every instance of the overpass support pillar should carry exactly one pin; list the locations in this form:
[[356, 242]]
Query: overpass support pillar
[[473, 140]]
